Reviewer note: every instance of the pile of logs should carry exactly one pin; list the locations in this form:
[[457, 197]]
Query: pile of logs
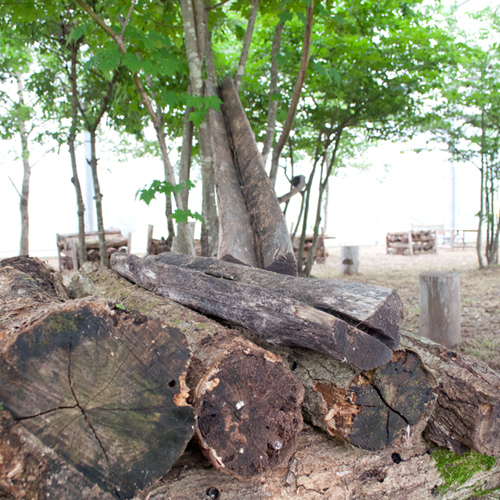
[[67, 251], [411, 242], [101, 396], [319, 255]]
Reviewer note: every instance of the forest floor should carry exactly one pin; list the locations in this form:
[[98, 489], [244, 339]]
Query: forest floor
[[479, 290]]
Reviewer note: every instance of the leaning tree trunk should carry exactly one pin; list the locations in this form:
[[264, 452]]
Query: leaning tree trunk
[[247, 402], [98, 386]]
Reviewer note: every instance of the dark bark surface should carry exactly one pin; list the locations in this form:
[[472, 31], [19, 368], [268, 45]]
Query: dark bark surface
[[467, 413], [95, 384], [274, 249], [247, 402], [236, 240], [378, 310], [276, 318]]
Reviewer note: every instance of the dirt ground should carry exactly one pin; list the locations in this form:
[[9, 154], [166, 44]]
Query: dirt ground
[[479, 290]]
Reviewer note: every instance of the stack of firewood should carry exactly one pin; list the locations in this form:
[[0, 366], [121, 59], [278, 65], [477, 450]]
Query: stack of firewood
[[411, 242], [103, 400]]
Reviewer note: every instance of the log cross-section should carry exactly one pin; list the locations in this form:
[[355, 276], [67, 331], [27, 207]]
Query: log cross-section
[[98, 385], [276, 318]]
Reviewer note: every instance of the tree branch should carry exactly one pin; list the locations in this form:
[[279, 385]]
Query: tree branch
[[292, 110], [254, 8]]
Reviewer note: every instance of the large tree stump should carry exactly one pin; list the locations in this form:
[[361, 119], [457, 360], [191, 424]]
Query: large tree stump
[[236, 239], [274, 249], [97, 385], [276, 318], [439, 314], [467, 413], [379, 311], [247, 402]]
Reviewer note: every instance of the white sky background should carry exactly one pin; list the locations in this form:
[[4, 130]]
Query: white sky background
[[399, 189]]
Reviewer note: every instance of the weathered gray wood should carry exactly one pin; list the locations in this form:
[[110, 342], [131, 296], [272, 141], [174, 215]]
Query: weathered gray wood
[[273, 246], [278, 319], [439, 311], [349, 260], [236, 239], [244, 397], [95, 384], [379, 311], [467, 413]]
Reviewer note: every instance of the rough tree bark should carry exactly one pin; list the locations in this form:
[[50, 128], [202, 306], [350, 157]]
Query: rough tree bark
[[272, 244], [248, 404], [276, 318], [379, 310], [236, 241]]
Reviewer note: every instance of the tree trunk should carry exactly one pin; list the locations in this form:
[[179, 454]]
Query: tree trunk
[[240, 70], [380, 311], [85, 372], [248, 404], [273, 247], [25, 190], [294, 102], [236, 242], [272, 112], [274, 317]]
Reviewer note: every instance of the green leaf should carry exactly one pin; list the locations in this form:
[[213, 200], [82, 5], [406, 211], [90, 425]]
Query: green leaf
[[282, 59], [285, 16], [197, 117], [213, 102], [132, 62]]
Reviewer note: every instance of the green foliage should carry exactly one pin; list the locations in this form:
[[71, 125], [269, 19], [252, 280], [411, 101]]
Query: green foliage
[[455, 468]]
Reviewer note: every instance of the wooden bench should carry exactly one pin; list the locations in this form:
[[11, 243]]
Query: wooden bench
[[67, 246]]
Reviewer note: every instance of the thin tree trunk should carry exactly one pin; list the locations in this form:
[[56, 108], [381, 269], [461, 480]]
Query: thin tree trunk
[[195, 48], [25, 190], [82, 251], [292, 110], [98, 199], [273, 90], [240, 70], [479, 242], [146, 101]]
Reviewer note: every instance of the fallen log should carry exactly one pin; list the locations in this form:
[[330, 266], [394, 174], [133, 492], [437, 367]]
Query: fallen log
[[236, 239], [95, 384], [273, 246], [324, 469], [378, 311], [467, 413], [247, 402], [274, 317]]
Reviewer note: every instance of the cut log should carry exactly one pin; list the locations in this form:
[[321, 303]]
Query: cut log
[[247, 402], [324, 469], [467, 413], [276, 318], [236, 238], [379, 311], [96, 385], [373, 409], [273, 249], [349, 260]]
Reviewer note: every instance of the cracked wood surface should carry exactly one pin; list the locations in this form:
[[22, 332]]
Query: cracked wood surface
[[273, 247], [93, 383], [467, 413], [378, 310], [276, 318], [247, 402]]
